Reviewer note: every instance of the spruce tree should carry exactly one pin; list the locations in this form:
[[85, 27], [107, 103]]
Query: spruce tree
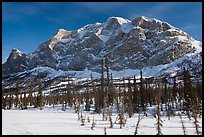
[[135, 96], [111, 94], [194, 108], [101, 102], [30, 96], [187, 92], [25, 100], [130, 109], [87, 99], [107, 71], [10, 99], [159, 121], [39, 102], [17, 102], [142, 92], [6, 100], [3, 101]]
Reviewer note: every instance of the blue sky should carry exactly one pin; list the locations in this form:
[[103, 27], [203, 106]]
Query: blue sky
[[25, 25]]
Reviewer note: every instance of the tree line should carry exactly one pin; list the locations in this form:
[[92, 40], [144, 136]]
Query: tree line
[[129, 96]]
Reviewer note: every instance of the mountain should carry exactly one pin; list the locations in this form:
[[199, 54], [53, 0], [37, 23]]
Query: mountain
[[16, 62], [151, 45]]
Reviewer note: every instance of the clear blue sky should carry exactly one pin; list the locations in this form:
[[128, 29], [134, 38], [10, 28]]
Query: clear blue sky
[[25, 25]]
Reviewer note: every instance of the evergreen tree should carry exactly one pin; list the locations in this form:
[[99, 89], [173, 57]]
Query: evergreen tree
[[107, 71], [195, 112], [3, 100], [10, 99], [149, 92], [142, 92], [111, 94], [199, 98], [39, 102], [87, 99], [25, 101], [21, 101], [104, 113], [187, 92], [159, 121], [130, 109], [101, 102], [30, 96], [135, 96], [96, 95], [17, 95], [174, 94], [6, 100], [124, 102], [118, 100], [97, 99]]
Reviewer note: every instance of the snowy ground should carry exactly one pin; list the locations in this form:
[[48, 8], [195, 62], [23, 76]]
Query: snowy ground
[[51, 121]]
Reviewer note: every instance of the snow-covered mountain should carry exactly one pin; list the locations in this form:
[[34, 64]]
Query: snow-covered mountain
[[154, 46]]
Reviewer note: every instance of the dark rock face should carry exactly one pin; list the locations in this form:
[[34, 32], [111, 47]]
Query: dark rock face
[[134, 44], [16, 62]]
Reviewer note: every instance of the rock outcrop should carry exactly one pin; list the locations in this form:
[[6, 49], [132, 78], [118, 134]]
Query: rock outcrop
[[135, 44]]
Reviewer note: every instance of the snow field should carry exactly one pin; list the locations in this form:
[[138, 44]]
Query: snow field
[[53, 121]]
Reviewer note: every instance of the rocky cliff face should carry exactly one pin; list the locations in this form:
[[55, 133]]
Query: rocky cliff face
[[134, 44], [16, 62]]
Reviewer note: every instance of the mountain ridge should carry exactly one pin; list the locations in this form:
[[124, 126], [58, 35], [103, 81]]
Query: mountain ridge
[[135, 44]]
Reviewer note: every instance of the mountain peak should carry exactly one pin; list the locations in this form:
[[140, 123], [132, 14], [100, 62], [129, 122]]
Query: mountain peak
[[15, 53], [119, 20], [116, 23], [61, 33], [150, 23], [142, 42], [14, 50], [50, 44]]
